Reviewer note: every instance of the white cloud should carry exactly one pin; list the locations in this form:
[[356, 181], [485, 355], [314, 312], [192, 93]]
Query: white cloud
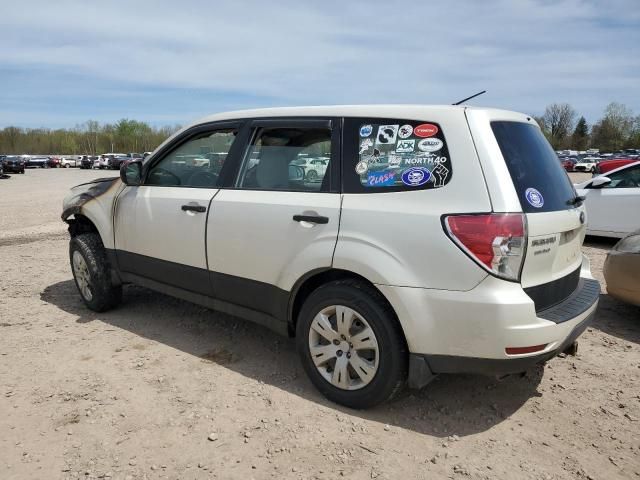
[[526, 53]]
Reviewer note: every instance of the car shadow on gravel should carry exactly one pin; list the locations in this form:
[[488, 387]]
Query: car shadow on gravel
[[618, 319], [451, 405]]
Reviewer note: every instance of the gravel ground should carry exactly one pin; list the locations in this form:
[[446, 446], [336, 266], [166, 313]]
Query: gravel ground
[[160, 388]]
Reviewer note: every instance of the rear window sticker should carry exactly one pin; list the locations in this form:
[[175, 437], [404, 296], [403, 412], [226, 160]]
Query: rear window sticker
[[534, 197], [405, 131], [366, 130], [430, 145], [405, 146], [416, 176], [361, 168], [387, 160], [439, 175], [381, 179], [425, 130], [395, 160], [365, 146], [387, 134]]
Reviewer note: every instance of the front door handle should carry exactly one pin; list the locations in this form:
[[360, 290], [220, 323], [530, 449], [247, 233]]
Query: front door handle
[[311, 219], [194, 208]]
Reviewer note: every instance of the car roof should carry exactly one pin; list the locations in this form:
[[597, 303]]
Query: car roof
[[390, 111]]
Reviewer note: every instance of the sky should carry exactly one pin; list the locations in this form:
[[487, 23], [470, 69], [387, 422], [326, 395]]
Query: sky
[[167, 62]]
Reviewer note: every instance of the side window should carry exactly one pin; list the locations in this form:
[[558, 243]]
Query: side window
[[289, 159], [195, 163], [386, 155], [629, 178]]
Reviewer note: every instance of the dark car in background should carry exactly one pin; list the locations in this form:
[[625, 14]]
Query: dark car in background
[[53, 162], [13, 164], [115, 162], [86, 162], [37, 162]]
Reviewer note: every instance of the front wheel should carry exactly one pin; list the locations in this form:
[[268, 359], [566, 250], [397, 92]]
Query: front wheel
[[92, 273], [351, 345]]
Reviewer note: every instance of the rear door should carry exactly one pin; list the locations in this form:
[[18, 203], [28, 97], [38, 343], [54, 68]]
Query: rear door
[[523, 174], [276, 222], [614, 209], [160, 225]]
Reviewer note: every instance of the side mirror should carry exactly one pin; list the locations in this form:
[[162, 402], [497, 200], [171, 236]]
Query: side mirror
[[600, 182], [296, 173], [131, 173]]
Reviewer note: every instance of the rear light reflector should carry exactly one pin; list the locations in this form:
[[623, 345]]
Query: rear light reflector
[[496, 241], [521, 350]]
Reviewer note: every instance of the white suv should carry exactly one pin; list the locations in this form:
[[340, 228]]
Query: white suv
[[439, 239]]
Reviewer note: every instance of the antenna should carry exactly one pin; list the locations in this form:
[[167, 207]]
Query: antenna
[[469, 98]]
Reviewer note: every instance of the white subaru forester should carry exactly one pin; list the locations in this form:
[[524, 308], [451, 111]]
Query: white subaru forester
[[439, 239]]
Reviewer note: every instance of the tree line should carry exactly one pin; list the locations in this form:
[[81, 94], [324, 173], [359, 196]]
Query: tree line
[[616, 130], [90, 138]]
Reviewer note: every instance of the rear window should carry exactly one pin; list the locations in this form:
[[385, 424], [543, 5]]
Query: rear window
[[541, 182], [392, 155]]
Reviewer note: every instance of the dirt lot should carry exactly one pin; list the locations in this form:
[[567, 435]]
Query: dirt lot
[[163, 389]]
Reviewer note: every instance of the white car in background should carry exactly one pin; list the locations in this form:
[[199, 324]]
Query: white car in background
[[613, 201], [587, 164], [71, 161]]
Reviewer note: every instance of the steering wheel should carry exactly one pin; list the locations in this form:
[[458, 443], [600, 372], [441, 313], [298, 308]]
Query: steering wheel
[[162, 176]]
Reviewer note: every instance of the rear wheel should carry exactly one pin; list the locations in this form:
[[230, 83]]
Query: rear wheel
[[351, 345], [92, 273], [312, 175]]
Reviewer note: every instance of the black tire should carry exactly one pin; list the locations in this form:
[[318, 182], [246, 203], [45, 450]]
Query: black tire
[[105, 295], [393, 354]]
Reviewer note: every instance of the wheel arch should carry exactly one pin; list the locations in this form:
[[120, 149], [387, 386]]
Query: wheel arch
[[316, 278]]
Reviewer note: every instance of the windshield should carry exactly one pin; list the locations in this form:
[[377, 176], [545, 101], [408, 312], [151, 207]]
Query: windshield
[[541, 182]]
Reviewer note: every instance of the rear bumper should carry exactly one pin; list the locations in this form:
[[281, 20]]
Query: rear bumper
[[491, 366], [469, 331]]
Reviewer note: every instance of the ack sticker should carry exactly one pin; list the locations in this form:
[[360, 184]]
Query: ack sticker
[[381, 179], [430, 145], [416, 176], [405, 146], [405, 131], [425, 130], [365, 130], [534, 197], [387, 134]]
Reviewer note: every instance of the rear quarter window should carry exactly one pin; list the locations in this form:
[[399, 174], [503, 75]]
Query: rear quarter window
[[538, 177], [391, 155]]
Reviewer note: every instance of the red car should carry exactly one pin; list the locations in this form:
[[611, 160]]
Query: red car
[[568, 163], [608, 165]]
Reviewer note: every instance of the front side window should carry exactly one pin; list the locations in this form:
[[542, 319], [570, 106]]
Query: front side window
[[628, 178], [195, 163], [288, 159], [387, 155]]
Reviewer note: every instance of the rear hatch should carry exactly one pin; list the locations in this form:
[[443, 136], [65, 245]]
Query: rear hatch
[[555, 219]]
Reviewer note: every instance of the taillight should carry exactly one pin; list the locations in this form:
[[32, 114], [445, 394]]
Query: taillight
[[495, 240]]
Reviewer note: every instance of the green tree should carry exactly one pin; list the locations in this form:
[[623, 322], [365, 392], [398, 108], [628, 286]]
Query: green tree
[[613, 131], [580, 137]]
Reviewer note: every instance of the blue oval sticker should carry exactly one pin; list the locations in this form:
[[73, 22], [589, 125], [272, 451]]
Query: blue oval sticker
[[416, 176], [534, 197]]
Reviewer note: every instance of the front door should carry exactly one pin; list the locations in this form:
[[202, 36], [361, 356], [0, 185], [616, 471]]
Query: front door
[[278, 221], [160, 226]]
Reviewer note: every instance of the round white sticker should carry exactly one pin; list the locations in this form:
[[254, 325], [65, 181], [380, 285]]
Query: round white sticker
[[405, 131], [361, 168]]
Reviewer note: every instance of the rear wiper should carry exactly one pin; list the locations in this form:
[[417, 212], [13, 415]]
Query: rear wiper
[[576, 201]]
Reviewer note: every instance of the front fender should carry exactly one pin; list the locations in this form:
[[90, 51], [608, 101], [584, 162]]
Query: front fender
[[95, 201]]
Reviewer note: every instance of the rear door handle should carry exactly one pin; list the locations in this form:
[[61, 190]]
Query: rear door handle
[[311, 219], [194, 208]]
